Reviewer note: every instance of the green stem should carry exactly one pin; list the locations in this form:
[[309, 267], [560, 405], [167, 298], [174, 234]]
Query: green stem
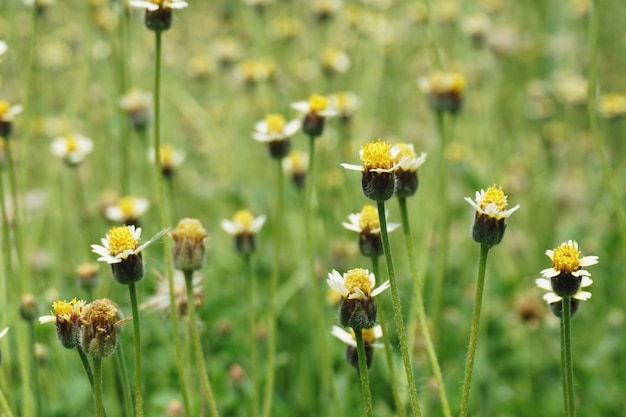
[[325, 363], [17, 225], [97, 392], [568, 367], [120, 362], [86, 366], [197, 345], [6, 289], [271, 360], [431, 35], [4, 405], [397, 311], [34, 369], [421, 311], [471, 350], [137, 331], [366, 396], [164, 224], [251, 323], [388, 356], [566, 403]]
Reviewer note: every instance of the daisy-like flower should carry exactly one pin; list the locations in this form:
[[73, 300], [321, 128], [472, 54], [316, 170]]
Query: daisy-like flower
[[159, 12], [345, 103], [275, 131], [127, 210], [489, 221], [612, 106], [369, 342], [315, 111], [66, 315], [477, 28], [567, 274], [255, 71], [378, 181], [120, 249], [296, 164], [7, 116], [160, 301], [407, 163], [138, 105], [357, 308], [244, 228], [171, 158], [367, 225], [72, 149], [335, 60], [445, 91]]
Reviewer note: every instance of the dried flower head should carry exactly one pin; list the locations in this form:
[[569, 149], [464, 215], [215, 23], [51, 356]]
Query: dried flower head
[[489, 221], [188, 250], [98, 336]]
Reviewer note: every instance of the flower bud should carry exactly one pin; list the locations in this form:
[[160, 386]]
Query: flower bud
[[188, 250], [98, 336]]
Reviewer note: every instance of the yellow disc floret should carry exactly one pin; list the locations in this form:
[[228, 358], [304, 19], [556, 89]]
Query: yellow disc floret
[[167, 155], [275, 123], [404, 151], [377, 155], [358, 278], [121, 240], [317, 103], [369, 218], [494, 195], [566, 258], [62, 309], [4, 107], [244, 218], [369, 336], [127, 205]]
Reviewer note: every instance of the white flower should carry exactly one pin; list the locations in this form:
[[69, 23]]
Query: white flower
[[243, 223], [171, 157], [317, 105], [565, 259], [8, 112], [405, 157], [126, 209], [492, 203], [355, 284], [551, 297], [348, 337], [376, 157], [367, 221], [153, 5], [122, 242], [345, 103], [273, 128], [71, 148]]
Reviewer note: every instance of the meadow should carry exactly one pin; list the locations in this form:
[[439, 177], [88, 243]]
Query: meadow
[[536, 107]]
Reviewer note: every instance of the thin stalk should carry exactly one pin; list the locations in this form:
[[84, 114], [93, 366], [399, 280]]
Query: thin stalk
[[197, 345], [164, 224], [397, 311], [120, 362], [566, 403], [325, 363], [137, 332], [388, 357], [17, 216], [87, 367], [4, 405], [123, 89], [97, 392], [568, 367], [6, 288], [421, 311], [271, 360], [251, 323], [431, 35], [364, 380], [471, 350], [33, 367]]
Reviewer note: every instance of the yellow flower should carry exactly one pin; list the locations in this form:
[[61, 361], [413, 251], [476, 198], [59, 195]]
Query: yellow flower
[[378, 170], [127, 209], [335, 60], [489, 220], [71, 148], [355, 284]]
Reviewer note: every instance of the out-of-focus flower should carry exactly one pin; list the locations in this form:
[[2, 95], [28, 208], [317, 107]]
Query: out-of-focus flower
[[571, 88], [445, 91], [3, 48], [285, 28], [335, 60], [159, 12], [138, 105], [489, 221], [254, 71], [260, 5], [127, 210], [160, 301], [7, 117], [171, 158], [369, 342], [87, 275], [367, 225], [244, 228], [296, 164], [188, 249], [539, 103], [315, 111], [72, 149], [611, 106], [29, 310], [378, 181], [275, 131], [200, 66], [226, 51], [407, 163], [477, 27], [345, 103], [325, 9]]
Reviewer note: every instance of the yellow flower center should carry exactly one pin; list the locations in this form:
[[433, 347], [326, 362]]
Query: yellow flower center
[[4, 107], [405, 151], [377, 155], [244, 218], [167, 155], [275, 123], [121, 240], [494, 195], [317, 103], [190, 228], [71, 143], [369, 336], [343, 101], [127, 205], [565, 258], [358, 278], [456, 83], [369, 218], [63, 309]]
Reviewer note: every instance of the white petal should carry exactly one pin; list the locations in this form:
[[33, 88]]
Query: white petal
[[358, 294], [392, 226], [380, 289], [551, 298], [544, 284], [352, 227], [100, 250], [230, 227], [344, 336], [585, 282], [589, 260], [353, 167], [114, 214], [6, 329], [549, 273], [335, 281], [144, 4], [582, 295], [257, 224], [292, 127], [301, 106], [150, 241]]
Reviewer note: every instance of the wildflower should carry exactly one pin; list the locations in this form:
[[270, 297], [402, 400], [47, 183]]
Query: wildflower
[[66, 316], [477, 27], [3, 48], [367, 225], [369, 338], [120, 249], [296, 164], [160, 301], [127, 210], [200, 66], [255, 71], [285, 27], [159, 12], [445, 91], [571, 88], [407, 163], [98, 337], [87, 275], [226, 51], [188, 250], [489, 222], [71, 148], [378, 181], [7, 116], [345, 104], [138, 105], [171, 158], [357, 308], [28, 307], [326, 9], [335, 60], [244, 227], [610, 106], [567, 274], [275, 131], [556, 302], [315, 111]]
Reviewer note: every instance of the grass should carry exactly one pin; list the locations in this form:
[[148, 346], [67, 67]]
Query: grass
[[547, 163]]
